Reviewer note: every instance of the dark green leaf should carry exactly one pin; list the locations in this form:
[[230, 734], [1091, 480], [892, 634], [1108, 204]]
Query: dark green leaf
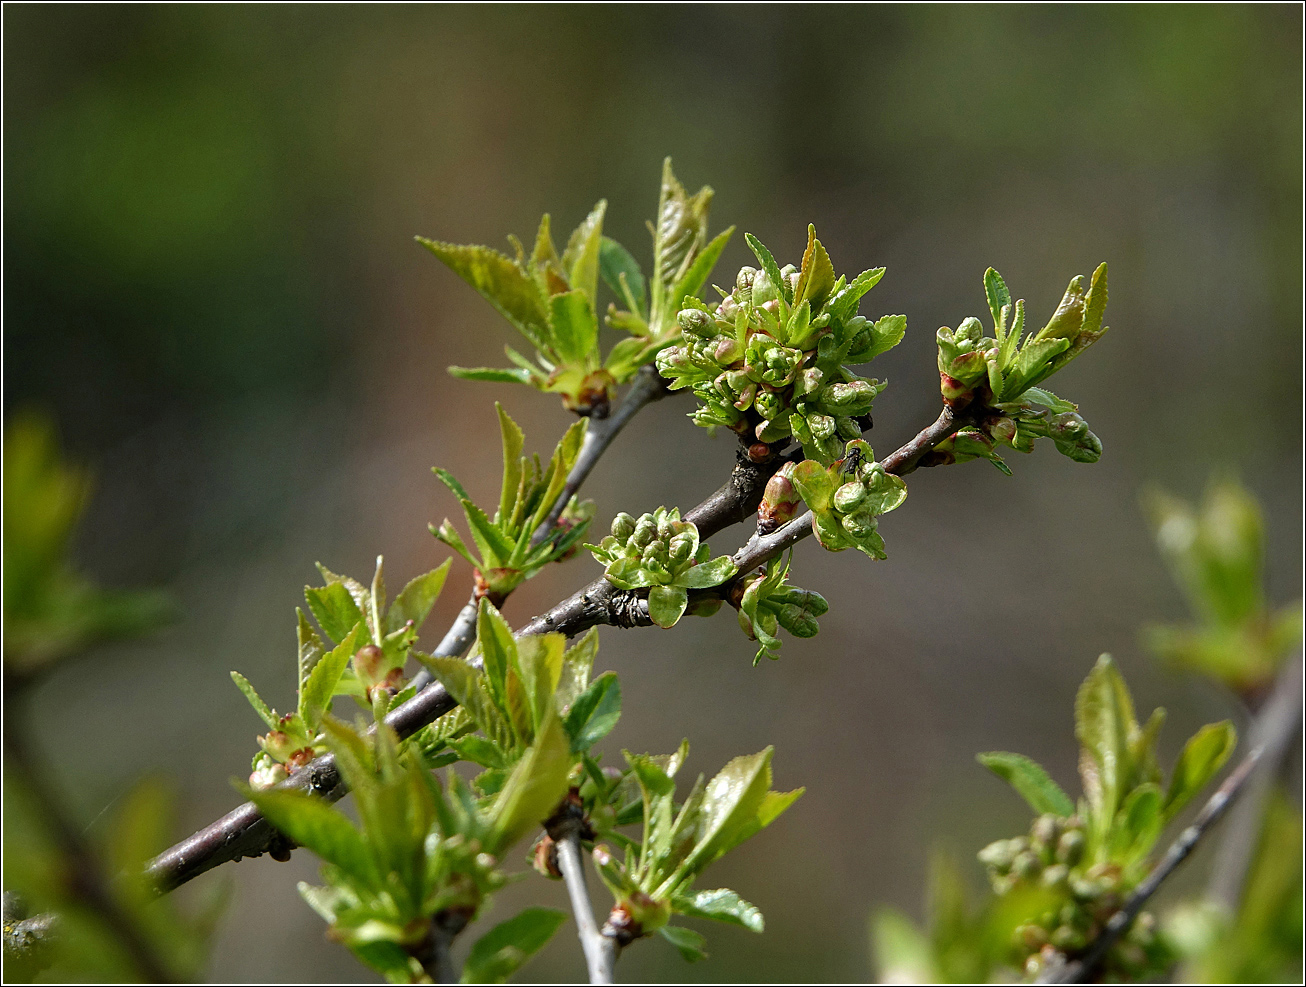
[[615, 262]]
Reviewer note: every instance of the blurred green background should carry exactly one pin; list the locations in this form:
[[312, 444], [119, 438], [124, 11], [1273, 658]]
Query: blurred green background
[[211, 283]]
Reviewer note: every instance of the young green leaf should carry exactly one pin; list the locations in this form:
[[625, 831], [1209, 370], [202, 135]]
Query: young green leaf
[[594, 712], [415, 600], [500, 952], [1029, 779], [334, 608], [575, 328], [534, 788], [615, 264], [326, 831], [581, 258], [320, 686], [1203, 756], [260, 707], [721, 905], [688, 942], [500, 281]]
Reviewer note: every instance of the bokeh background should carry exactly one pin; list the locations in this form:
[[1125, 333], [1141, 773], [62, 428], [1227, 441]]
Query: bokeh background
[[210, 281]]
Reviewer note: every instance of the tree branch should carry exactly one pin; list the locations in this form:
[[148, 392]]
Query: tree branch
[[598, 958], [1274, 727], [245, 833], [648, 386]]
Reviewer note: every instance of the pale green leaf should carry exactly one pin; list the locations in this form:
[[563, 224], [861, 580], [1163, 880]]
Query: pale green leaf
[[1030, 781]]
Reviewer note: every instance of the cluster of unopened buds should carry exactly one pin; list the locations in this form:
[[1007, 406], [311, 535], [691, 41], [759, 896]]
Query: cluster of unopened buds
[[1051, 857], [768, 361], [663, 553], [768, 602], [847, 496]]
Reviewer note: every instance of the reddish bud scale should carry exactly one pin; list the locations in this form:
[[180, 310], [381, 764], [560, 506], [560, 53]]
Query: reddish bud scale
[[955, 394]]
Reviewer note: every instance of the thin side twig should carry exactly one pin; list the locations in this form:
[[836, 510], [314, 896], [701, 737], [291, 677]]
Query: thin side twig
[[599, 959], [647, 386], [1276, 724]]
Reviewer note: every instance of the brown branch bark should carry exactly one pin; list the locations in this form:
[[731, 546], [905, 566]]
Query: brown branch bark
[[244, 833]]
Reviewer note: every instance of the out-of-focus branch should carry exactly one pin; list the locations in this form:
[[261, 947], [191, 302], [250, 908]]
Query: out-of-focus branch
[[85, 880], [434, 952], [245, 833], [1277, 726], [1278, 721]]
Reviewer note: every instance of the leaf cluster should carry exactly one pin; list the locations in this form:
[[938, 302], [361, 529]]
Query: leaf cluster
[[1216, 551], [655, 878], [769, 602], [771, 359], [1090, 855], [422, 854], [1000, 374], [376, 637], [506, 551], [50, 610], [551, 298]]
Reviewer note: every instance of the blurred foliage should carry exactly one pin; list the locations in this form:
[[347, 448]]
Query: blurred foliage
[[1216, 550], [1057, 887], [1263, 942], [82, 945], [51, 611]]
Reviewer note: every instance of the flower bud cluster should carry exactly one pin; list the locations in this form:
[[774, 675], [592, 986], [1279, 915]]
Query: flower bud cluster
[[768, 361], [289, 746], [768, 602], [1016, 424], [1000, 369], [846, 497], [1084, 897], [661, 552]]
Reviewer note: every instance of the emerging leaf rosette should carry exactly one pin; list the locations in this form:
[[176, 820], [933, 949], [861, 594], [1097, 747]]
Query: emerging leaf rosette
[[661, 552], [655, 880], [506, 555], [770, 360], [1083, 860], [768, 603], [551, 297], [846, 497]]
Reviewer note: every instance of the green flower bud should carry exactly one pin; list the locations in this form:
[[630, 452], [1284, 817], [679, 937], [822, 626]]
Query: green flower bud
[[744, 282], [1068, 940], [623, 526], [847, 428], [727, 351], [809, 381], [696, 322], [267, 773], [998, 856], [1026, 864], [1043, 834], [970, 329], [851, 399], [848, 496], [682, 547], [1055, 876], [646, 530], [860, 525], [665, 528], [1070, 848], [726, 311], [768, 403], [800, 621], [822, 426]]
